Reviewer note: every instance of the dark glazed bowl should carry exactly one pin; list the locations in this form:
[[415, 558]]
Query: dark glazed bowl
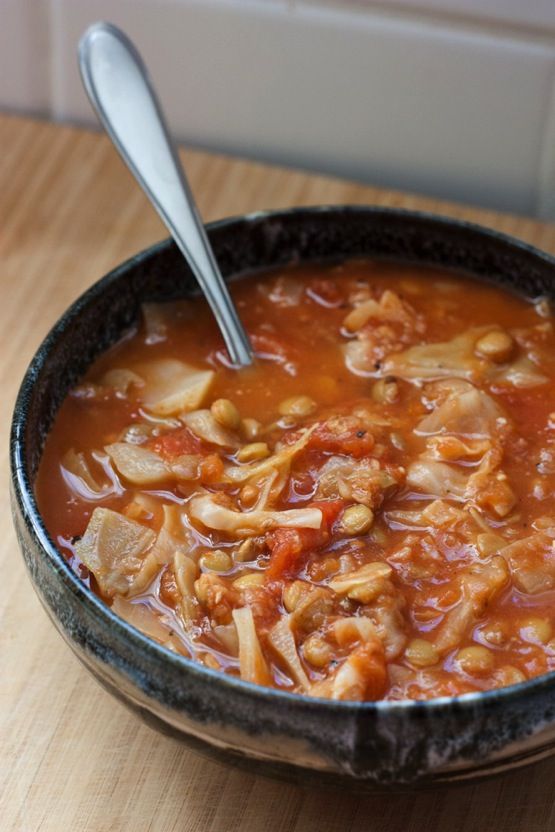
[[366, 746]]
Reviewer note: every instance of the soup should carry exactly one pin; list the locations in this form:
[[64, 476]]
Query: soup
[[365, 513]]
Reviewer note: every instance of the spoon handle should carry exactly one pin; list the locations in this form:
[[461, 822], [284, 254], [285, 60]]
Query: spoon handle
[[119, 88]]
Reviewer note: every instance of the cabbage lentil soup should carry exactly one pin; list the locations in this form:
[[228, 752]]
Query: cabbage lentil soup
[[366, 513]]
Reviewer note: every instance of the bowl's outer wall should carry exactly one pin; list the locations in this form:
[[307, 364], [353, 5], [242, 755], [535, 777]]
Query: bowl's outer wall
[[374, 743]]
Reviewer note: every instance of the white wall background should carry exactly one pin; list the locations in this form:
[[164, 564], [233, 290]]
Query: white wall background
[[452, 98]]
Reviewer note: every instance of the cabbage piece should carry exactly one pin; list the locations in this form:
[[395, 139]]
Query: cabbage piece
[[365, 584], [360, 481], [142, 506], [363, 675], [457, 358], [227, 635], [450, 448], [137, 464], [203, 425], [437, 479], [386, 613], [156, 322], [213, 515], [121, 379], [185, 466], [173, 537], [522, 373], [79, 477], [532, 563], [280, 461], [312, 611], [186, 571], [465, 412], [437, 514], [357, 358], [173, 387], [267, 487], [117, 551], [283, 642], [487, 486], [352, 629], [372, 587], [439, 360], [143, 618], [479, 585], [389, 309], [252, 664]]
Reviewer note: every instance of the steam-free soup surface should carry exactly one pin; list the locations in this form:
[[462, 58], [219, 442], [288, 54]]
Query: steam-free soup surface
[[367, 512]]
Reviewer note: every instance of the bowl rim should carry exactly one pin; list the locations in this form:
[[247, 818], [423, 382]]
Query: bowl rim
[[27, 504]]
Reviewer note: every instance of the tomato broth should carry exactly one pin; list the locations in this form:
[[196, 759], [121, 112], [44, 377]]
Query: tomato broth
[[367, 512]]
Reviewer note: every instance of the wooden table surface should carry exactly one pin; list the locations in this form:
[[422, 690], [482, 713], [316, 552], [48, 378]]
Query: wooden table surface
[[71, 758]]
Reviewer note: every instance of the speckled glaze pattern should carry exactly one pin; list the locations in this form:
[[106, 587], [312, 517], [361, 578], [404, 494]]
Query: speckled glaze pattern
[[360, 746]]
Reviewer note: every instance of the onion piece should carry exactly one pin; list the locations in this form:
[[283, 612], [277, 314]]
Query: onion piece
[[252, 664], [215, 516]]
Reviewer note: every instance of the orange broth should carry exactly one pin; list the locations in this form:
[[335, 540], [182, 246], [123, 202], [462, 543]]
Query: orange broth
[[453, 600]]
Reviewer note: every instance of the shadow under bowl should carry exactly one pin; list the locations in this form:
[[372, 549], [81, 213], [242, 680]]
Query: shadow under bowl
[[362, 746]]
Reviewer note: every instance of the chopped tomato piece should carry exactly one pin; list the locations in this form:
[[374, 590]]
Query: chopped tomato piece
[[343, 435], [286, 547], [331, 509], [178, 442]]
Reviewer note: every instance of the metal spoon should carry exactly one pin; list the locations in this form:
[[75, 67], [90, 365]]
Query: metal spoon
[[118, 86]]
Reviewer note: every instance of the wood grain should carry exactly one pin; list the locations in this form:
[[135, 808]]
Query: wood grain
[[71, 758]]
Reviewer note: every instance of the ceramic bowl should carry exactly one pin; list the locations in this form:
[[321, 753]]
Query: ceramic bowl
[[359, 745]]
